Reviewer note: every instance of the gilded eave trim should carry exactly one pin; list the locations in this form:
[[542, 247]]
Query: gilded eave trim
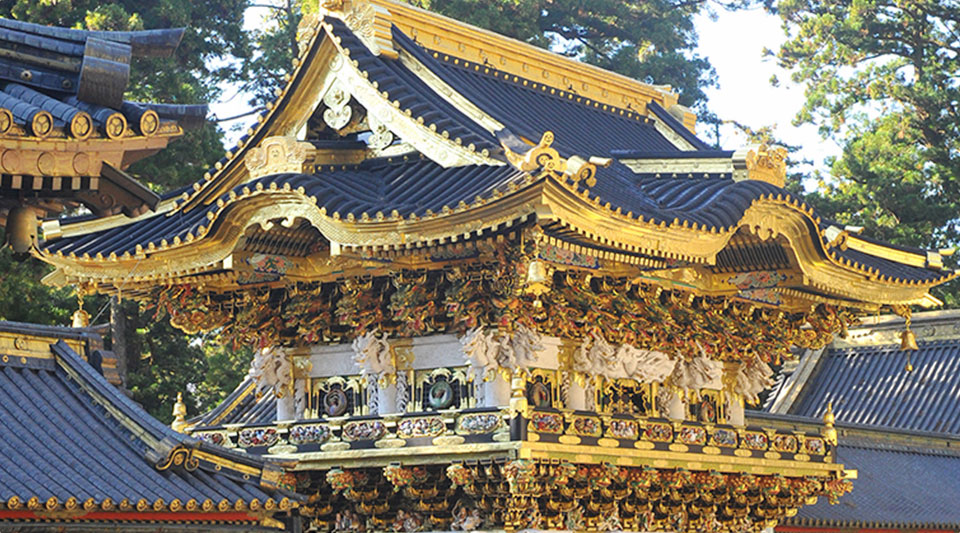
[[225, 173], [467, 42], [202, 251], [436, 145], [546, 198]]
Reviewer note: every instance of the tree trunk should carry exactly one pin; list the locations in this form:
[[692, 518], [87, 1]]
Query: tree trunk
[[118, 338]]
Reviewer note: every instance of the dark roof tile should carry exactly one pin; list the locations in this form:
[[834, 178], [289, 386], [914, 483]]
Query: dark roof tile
[[58, 439], [868, 385]]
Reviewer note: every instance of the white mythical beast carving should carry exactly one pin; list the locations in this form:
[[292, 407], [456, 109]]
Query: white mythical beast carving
[[271, 368], [481, 351], [698, 373], [753, 376], [487, 352], [645, 365], [372, 355], [597, 357], [519, 351]]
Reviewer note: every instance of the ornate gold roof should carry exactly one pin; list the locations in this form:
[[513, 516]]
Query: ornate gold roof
[[387, 146]]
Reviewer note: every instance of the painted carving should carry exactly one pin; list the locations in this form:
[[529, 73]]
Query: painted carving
[[277, 155], [488, 352], [697, 373], [480, 350], [767, 163], [271, 369], [300, 394], [597, 357], [380, 136], [338, 112]]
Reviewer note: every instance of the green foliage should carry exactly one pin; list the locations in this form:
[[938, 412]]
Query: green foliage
[[23, 298], [653, 41], [881, 77], [170, 362]]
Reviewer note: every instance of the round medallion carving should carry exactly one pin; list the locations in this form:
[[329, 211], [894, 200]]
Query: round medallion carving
[[440, 395], [6, 120], [540, 395], [42, 124], [10, 161], [335, 403], [149, 123], [115, 126], [81, 163], [47, 163], [81, 125]]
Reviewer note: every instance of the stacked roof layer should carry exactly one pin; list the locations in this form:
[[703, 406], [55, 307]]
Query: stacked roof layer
[[69, 436]]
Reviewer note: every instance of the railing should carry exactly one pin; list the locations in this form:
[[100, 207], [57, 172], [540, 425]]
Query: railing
[[536, 425], [443, 428], [634, 432]]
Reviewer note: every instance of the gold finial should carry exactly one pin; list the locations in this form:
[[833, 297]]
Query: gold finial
[[829, 432], [179, 414], [80, 318]]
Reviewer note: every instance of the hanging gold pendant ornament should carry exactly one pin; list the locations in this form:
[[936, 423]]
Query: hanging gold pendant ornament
[[80, 318], [908, 340], [538, 277]]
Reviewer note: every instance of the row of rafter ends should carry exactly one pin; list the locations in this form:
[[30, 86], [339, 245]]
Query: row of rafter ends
[[867, 524], [15, 503], [25, 112], [21, 182]]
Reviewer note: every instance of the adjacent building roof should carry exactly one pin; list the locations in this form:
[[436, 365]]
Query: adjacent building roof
[[72, 447], [242, 406], [865, 377], [61, 91], [898, 487]]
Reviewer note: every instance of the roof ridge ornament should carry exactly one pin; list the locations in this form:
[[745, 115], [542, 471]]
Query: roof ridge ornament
[[279, 155], [761, 162], [544, 157], [371, 23]]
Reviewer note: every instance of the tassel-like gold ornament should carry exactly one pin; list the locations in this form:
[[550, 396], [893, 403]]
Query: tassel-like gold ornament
[[179, 414], [908, 340]]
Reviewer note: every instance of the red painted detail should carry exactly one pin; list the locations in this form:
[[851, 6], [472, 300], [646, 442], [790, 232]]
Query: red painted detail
[[811, 529], [237, 516]]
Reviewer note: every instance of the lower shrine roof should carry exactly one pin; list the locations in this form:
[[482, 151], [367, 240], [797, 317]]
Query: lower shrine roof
[[898, 486], [415, 187], [70, 441], [868, 384], [242, 406]]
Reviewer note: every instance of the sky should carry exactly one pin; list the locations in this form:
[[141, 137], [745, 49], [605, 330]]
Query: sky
[[734, 44]]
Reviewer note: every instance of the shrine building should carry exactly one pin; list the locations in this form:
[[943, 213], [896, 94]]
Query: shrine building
[[489, 288]]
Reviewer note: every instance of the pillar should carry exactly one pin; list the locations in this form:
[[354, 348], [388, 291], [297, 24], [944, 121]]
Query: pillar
[[576, 395], [387, 397], [674, 408], [496, 392], [286, 408], [735, 412]]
